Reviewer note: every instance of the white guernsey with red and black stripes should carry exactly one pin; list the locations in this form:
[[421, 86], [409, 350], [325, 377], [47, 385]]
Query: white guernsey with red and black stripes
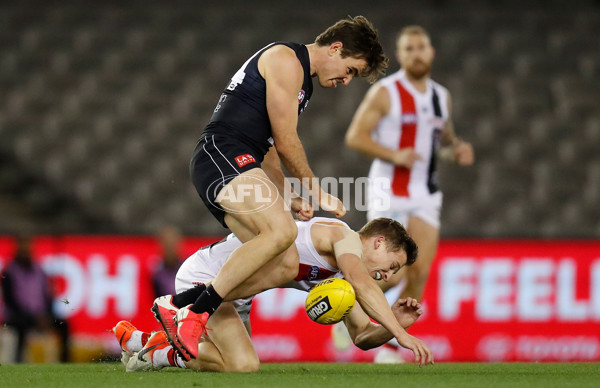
[[415, 120], [204, 264]]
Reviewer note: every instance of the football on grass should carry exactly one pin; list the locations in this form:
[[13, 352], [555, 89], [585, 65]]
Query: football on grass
[[330, 301]]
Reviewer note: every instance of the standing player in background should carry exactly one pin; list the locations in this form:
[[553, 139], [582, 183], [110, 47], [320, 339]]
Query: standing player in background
[[405, 124], [163, 279], [238, 174]]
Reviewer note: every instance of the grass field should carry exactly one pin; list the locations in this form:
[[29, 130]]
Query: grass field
[[309, 376]]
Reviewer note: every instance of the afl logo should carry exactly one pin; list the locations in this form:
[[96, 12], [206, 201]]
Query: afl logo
[[301, 95], [313, 272]]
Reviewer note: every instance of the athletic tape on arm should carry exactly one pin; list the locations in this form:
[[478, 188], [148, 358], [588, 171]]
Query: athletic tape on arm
[[349, 244]]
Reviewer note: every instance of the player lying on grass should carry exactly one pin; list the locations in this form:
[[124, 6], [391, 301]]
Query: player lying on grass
[[327, 248]]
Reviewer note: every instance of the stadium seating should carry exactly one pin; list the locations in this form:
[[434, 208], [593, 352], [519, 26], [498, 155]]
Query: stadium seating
[[101, 106]]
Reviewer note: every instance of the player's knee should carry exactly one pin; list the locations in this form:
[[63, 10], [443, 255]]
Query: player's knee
[[290, 267], [249, 365], [283, 237], [418, 275]]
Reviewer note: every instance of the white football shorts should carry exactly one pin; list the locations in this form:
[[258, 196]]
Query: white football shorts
[[427, 208]]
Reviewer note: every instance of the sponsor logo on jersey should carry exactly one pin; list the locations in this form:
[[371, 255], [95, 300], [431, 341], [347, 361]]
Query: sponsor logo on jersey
[[408, 118], [319, 309], [437, 122], [301, 95], [313, 272], [243, 160]]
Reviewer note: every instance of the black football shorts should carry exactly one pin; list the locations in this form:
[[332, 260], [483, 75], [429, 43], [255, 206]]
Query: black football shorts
[[215, 162]]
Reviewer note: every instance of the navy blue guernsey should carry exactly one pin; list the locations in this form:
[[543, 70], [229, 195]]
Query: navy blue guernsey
[[241, 112]]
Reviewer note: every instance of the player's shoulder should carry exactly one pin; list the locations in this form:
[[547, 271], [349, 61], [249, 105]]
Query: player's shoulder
[[281, 59], [385, 85], [330, 229], [390, 79], [438, 86], [279, 51], [378, 91], [330, 222]]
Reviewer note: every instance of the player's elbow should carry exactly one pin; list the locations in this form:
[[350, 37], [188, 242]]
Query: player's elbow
[[362, 343], [351, 140], [364, 347]]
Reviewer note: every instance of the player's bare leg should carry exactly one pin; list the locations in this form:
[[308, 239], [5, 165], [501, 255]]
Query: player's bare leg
[[426, 237], [273, 228], [254, 207], [275, 273], [228, 348]]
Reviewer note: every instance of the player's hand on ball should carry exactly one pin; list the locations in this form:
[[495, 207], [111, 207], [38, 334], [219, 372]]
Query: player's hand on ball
[[407, 311], [423, 354]]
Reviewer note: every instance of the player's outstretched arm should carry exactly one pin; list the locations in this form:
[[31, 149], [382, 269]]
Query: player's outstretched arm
[[367, 334], [347, 248]]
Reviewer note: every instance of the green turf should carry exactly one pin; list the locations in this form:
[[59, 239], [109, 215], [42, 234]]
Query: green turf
[[309, 376]]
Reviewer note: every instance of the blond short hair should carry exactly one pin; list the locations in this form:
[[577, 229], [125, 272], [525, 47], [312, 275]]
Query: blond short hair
[[396, 236], [412, 30]]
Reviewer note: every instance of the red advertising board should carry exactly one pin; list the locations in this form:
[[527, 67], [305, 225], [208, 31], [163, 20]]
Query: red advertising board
[[100, 280], [514, 300], [485, 300]]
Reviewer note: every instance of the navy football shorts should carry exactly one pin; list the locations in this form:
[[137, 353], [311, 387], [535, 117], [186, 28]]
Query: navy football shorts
[[215, 162]]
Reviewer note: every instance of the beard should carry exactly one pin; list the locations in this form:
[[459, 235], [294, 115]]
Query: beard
[[418, 69]]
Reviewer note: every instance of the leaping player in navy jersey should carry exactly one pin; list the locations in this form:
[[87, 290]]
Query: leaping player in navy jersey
[[236, 166]]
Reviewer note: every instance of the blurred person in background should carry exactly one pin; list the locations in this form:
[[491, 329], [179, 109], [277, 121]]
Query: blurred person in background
[[236, 165], [405, 124], [163, 279], [28, 299]]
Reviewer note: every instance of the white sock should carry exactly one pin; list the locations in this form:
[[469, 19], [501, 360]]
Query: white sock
[[135, 342], [163, 357]]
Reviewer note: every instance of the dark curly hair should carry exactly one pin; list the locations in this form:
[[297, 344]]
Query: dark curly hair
[[360, 40], [395, 234]]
